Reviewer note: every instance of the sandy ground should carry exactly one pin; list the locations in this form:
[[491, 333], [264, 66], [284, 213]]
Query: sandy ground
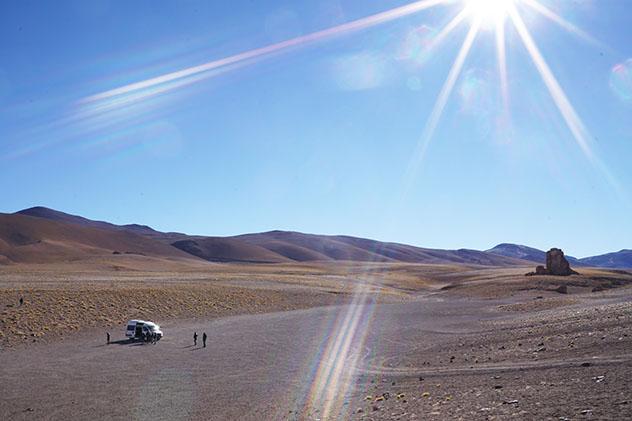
[[402, 343], [65, 299], [558, 359], [51, 314]]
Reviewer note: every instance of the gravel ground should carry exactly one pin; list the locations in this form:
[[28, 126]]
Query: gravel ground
[[529, 354]]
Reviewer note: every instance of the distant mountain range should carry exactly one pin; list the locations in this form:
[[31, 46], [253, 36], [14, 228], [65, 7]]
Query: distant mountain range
[[43, 235]]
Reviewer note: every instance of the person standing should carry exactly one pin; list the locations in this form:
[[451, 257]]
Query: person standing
[[107, 334], [194, 338], [21, 301], [204, 339]]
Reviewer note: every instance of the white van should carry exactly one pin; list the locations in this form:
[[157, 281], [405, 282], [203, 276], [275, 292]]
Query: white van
[[137, 328]]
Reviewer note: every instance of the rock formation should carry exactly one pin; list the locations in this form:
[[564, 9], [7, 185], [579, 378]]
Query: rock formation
[[556, 264]]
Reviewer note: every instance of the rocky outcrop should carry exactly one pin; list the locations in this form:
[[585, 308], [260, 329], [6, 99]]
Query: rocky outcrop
[[556, 264]]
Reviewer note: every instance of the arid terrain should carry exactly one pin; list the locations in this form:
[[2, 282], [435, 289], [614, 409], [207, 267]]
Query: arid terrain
[[314, 341], [303, 326]]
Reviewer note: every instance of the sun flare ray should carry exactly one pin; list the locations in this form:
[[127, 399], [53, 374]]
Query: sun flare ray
[[501, 56], [337, 364], [554, 17], [440, 103], [447, 30], [261, 52], [574, 123], [571, 118]]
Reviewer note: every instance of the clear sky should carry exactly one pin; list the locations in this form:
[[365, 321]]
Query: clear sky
[[323, 134]]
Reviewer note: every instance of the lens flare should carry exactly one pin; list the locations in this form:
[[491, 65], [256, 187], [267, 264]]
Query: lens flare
[[360, 71], [442, 100], [621, 80], [416, 45], [474, 91], [261, 52], [342, 349], [428, 40]]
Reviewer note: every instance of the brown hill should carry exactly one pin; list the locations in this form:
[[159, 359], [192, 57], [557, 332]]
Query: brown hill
[[41, 234], [309, 247], [218, 249], [30, 239], [54, 215]]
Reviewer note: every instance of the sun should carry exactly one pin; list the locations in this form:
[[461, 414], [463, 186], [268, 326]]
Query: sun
[[489, 12]]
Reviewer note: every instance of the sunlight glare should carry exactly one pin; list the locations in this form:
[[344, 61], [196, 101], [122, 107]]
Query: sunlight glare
[[489, 12]]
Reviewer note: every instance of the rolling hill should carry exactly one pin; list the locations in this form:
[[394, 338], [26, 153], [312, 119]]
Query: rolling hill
[[307, 247], [619, 259], [53, 215], [218, 249], [531, 254], [42, 235], [31, 239]]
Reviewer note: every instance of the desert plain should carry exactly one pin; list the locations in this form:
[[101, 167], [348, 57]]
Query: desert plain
[[314, 341]]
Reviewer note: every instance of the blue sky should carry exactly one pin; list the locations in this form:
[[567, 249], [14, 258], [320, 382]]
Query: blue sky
[[320, 137]]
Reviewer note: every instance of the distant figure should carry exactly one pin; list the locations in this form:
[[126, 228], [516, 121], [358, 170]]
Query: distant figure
[[204, 339], [154, 337], [194, 338], [107, 335], [21, 301]]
